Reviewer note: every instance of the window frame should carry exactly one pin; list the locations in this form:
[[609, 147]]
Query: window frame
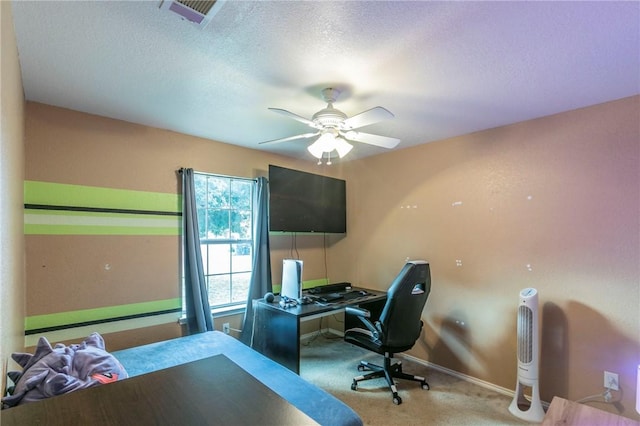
[[206, 243]]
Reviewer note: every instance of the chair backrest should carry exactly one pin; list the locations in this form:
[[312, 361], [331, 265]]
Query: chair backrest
[[400, 320]]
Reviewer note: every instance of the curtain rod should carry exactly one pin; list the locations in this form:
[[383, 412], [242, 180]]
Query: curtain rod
[[217, 174]]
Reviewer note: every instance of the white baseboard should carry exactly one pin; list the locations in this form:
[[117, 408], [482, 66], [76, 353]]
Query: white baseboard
[[470, 379], [462, 376]]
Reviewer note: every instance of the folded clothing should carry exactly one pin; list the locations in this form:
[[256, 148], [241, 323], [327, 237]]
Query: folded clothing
[[61, 369]]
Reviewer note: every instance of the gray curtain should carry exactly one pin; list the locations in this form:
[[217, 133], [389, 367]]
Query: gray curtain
[[261, 275], [199, 317]]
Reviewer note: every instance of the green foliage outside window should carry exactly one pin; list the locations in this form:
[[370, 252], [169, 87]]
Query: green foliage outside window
[[225, 216]]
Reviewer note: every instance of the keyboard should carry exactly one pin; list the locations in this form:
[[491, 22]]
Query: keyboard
[[354, 294], [330, 297], [329, 288]]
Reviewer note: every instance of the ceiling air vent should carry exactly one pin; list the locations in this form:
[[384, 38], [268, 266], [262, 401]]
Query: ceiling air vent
[[198, 12]]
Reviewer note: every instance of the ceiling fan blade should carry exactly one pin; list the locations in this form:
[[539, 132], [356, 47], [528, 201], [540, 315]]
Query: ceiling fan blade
[[367, 117], [377, 140], [291, 138], [292, 115]]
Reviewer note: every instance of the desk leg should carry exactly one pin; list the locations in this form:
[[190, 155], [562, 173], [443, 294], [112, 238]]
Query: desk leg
[[276, 335]]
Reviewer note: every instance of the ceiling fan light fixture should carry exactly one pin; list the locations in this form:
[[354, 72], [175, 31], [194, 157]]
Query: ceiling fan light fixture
[[343, 147], [328, 142], [325, 143], [315, 150]]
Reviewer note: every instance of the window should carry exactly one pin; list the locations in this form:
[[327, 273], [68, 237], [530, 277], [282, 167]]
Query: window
[[225, 218]]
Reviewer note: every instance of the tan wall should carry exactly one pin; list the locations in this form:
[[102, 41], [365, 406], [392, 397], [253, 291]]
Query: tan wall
[[552, 204], [12, 289], [70, 273]]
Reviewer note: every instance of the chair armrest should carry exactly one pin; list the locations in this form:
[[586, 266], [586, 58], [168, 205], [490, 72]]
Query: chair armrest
[[352, 310], [364, 315]]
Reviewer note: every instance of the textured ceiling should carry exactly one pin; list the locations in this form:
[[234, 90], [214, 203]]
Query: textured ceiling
[[443, 68]]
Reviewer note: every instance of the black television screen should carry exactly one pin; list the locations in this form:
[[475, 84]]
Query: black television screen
[[306, 202]]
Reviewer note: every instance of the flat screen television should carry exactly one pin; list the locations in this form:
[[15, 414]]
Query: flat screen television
[[306, 202]]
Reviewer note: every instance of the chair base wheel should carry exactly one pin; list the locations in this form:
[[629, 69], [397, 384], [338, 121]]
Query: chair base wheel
[[390, 372]]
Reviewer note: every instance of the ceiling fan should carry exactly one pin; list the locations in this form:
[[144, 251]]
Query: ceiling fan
[[335, 128]]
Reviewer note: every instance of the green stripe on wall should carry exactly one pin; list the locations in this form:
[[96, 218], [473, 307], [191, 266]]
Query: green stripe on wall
[[48, 222], [99, 214], [59, 194], [80, 333], [69, 222], [95, 230], [314, 283], [36, 322]]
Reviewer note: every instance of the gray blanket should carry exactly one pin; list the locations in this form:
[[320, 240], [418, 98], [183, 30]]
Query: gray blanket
[[57, 370]]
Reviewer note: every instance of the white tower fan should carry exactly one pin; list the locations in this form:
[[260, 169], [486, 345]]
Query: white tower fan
[[528, 359]]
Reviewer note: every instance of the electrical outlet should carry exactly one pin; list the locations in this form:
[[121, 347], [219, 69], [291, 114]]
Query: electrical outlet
[[611, 381], [225, 328]]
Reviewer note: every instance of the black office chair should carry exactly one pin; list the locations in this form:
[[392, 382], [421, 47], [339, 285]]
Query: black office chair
[[398, 327]]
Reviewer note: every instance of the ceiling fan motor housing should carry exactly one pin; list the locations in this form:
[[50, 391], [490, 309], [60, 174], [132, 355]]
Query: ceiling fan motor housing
[[329, 117]]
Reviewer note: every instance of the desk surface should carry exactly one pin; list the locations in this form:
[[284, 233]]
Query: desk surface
[[316, 308], [208, 391]]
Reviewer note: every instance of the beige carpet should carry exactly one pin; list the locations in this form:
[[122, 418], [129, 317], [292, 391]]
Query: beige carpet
[[331, 364]]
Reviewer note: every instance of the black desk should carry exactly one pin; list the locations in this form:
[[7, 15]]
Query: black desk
[[277, 330], [212, 390]]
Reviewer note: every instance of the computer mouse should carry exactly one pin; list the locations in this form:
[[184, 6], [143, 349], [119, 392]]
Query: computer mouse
[[363, 293]]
